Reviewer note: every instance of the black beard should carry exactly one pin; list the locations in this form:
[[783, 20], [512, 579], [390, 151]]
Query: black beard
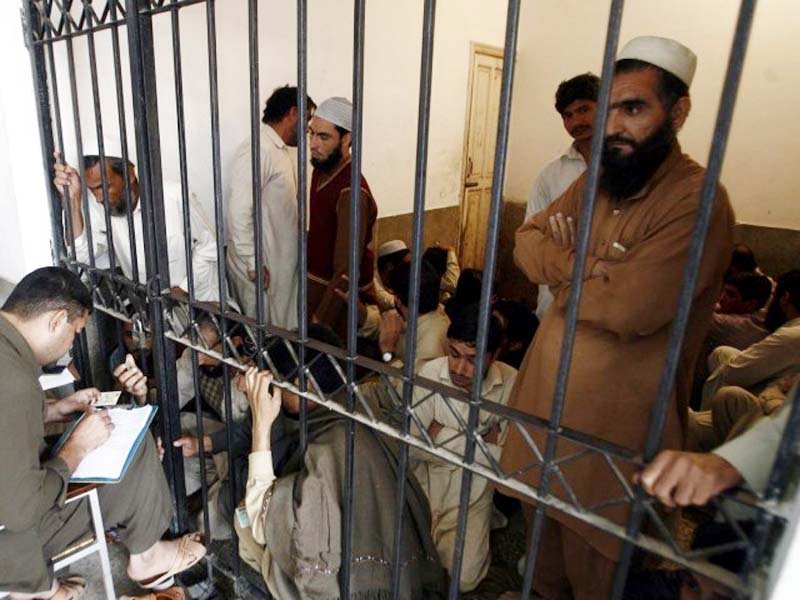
[[623, 176], [775, 316], [121, 209], [328, 164]]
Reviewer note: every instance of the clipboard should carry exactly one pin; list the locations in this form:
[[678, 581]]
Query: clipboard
[[109, 462]]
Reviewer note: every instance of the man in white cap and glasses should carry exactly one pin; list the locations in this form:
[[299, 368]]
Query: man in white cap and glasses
[[641, 232], [121, 203], [329, 227]]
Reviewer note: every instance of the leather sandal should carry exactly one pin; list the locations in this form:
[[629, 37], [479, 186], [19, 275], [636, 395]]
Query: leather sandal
[[190, 551], [172, 593], [70, 588]]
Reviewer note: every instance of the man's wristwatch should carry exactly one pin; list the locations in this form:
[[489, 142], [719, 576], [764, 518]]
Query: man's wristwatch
[[387, 356]]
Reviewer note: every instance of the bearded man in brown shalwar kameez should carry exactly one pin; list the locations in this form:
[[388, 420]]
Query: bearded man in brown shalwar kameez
[[641, 231]]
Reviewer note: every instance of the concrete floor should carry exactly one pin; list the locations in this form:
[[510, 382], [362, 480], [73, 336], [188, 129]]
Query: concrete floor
[[507, 544]]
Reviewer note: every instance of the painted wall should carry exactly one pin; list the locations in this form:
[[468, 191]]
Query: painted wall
[[391, 83], [759, 169], [25, 222]]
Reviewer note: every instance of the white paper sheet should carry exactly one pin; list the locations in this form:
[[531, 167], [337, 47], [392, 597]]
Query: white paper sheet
[[107, 462], [48, 381]]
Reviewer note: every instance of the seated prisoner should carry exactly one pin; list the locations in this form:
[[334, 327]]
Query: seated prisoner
[[203, 243], [295, 521], [432, 323], [445, 261], [740, 377], [443, 419], [37, 325], [519, 326], [284, 439], [770, 359], [689, 478], [738, 321]]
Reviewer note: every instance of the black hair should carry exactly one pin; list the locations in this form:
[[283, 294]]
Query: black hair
[[464, 328], [751, 286], [789, 283], [430, 280], [468, 291], [342, 131], [48, 289], [393, 259], [282, 100], [437, 258], [670, 87], [581, 87], [322, 370], [743, 259], [115, 163], [521, 324]]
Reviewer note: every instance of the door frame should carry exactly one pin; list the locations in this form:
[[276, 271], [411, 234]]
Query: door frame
[[474, 49]]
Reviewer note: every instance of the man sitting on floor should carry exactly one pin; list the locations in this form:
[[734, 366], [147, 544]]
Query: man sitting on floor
[[442, 480], [432, 323], [38, 323], [769, 360], [295, 521], [747, 384]]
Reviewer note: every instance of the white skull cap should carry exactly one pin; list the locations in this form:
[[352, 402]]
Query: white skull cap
[[668, 54], [391, 247], [338, 111]]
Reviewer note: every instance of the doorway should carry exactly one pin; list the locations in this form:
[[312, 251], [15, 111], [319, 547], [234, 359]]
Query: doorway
[[486, 74]]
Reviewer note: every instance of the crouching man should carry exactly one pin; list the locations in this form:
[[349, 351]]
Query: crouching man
[[38, 323]]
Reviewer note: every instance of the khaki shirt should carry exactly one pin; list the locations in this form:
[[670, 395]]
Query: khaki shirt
[[31, 484]]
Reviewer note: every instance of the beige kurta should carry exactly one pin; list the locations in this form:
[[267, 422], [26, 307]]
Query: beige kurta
[[623, 328], [441, 480]]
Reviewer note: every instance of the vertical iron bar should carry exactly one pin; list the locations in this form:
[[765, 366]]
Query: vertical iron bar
[[41, 92], [582, 245], [678, 330], [98, 123], [302, 234], [148, 148], [219, 213], [492, 236], [255, 162], [417, 230], [123, 141], [352, 300], [76, 117], [63, 203], [177, 66], [86, 371]]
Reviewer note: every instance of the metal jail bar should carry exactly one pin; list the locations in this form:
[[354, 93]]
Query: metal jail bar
[[137, 15]]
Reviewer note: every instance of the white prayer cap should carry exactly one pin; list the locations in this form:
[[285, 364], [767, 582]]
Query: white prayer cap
[[338, 111], [668, 54], [391, 247]]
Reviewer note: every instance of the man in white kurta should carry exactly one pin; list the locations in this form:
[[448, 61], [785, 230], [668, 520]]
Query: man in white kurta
[[443, 419], [203, 242], [278, 215], [576, 99]]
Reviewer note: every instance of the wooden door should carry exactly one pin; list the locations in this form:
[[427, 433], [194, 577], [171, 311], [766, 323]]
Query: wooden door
[[481, 138]]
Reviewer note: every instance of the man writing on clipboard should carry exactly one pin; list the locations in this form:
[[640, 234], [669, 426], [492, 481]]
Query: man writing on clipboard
[[38, 323]]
